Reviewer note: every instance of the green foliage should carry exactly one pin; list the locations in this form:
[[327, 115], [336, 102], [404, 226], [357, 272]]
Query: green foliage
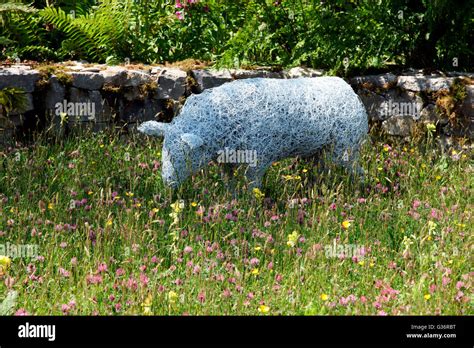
[[94, 35], [13, 99], [342, 36], [324, 34]]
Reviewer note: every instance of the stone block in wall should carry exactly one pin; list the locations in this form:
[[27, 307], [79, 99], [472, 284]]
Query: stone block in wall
[[429, 114], [377, 81], [93, 69], [373, 104], [136, 78], [140, 111], [96, 108], [399, 125], [171, 84], [418, 83], [19, 77], [156, 70], [56, 93], [208, 79], [87, 80], [240, 74], [402, 103], [132, 93], [114, 75], [390, 103], [274, 75]]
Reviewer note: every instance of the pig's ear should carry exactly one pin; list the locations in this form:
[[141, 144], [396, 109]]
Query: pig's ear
[[154, 128], [192, 140]]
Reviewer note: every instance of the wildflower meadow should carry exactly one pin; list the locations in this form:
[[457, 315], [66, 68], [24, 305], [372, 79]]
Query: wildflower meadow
[[90, 229]]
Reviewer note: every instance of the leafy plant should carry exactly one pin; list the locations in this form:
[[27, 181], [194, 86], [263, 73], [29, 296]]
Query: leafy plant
[[13, 99], [94, 35]]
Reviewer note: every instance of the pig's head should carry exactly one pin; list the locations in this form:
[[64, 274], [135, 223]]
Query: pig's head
[[182, 155]]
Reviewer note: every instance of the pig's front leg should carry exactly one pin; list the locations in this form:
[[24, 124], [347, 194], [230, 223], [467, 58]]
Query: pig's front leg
[[228, 176], [255, 174]]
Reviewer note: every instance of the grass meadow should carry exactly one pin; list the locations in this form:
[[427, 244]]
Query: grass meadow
[[110, 239]]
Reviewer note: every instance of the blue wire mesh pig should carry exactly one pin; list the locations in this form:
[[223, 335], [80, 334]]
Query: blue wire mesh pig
[[270, 119]]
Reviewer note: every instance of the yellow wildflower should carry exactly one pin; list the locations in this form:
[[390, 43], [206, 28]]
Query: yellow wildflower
[[292, 239], [263, 309], [432, 226], [431, 127], [255, 272], [51, 206], [427, 297], [324, 297], [177, 206], [5, 263], [194, 204], [172, 296], [147, 305], [346, 224], [291, 177], [257, 193]]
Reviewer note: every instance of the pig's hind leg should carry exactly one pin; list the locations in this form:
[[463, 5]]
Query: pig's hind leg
[[346, 155]]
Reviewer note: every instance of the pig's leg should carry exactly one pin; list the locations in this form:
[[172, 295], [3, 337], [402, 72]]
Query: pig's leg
[[347, 155], [318, 161], [229, 170], [255, 174]]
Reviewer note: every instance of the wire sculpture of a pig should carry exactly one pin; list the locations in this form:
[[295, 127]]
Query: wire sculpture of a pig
[[258, 121]]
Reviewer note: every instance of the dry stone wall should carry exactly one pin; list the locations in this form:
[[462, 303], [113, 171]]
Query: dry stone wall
[[76, 95]]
